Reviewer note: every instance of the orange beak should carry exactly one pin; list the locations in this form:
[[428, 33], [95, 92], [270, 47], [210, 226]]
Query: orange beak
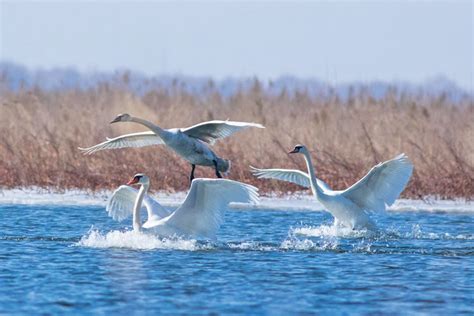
[[132, 181], [294, 151]]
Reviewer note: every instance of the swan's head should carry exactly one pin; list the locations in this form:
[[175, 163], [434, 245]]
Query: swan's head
[[121, 118], [298, 149], [138, 179]]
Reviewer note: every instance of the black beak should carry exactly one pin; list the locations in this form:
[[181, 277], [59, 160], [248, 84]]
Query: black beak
[[294, 151], [115, 120]]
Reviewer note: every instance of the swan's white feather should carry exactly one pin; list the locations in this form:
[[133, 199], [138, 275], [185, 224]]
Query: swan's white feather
[[202, 212], [289, 175], [120, 205], [211, 131], [382, 185], [141, 139]]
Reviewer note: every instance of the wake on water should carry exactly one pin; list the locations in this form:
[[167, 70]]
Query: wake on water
[[416, 232], [307, 238], [142, 241], [137, 240]]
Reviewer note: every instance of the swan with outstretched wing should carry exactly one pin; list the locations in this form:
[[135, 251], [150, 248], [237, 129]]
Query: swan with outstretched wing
[[380, 187], [191, 143], [121, 203], [126, 141], [200, 215]]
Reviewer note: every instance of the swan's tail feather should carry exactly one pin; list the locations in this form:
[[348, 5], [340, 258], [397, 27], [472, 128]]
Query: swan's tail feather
[[224, 165]]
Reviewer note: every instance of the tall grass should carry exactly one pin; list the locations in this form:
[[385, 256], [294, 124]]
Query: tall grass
[[40, 132]]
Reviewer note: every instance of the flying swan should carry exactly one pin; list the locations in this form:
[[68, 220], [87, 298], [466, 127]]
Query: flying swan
[[381, 186], [191, 143], [200, 215]]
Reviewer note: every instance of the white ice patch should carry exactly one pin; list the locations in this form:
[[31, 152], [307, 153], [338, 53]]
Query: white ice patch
[[138, 240], [290, 202], [41, 196], [433, 205]]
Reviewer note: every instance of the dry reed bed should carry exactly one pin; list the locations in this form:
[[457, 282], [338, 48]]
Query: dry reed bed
[[40, 133]]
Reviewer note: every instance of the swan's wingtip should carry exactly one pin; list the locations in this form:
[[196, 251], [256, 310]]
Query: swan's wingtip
[[256, 172], [252, 191], [85, 151], [402, 157]]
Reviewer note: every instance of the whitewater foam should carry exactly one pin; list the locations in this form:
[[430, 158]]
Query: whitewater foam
[[251, 246], [418, 233], [331, 231], [137, 240], [292, 243]]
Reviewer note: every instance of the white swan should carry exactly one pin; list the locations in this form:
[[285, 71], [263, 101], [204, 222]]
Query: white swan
[[200, 215], [381, 186], [191, 143]]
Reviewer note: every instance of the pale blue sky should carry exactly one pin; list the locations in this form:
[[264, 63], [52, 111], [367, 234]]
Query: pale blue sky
[[333, 41]]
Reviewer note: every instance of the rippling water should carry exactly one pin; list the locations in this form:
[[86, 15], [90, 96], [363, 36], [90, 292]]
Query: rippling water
[[74, 259]]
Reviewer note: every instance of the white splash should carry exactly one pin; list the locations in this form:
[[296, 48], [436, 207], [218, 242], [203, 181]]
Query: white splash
[[136, 240], [330, 231], [333, 231], [250, 245], [293, 243], [418, 233]]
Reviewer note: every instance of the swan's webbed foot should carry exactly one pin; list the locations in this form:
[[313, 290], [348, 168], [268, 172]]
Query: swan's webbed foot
[[191, 177], [218, 174]]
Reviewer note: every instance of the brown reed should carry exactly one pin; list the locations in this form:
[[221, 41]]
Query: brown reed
[[40, 132]]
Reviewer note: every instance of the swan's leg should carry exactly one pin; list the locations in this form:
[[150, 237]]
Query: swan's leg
[[192, 173], [218, 174]]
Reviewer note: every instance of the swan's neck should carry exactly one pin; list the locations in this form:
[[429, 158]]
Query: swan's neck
[[312, 176], [153, 127], [137, 224]]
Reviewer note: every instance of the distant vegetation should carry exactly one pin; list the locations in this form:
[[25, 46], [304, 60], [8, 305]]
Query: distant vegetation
[[347, 132]]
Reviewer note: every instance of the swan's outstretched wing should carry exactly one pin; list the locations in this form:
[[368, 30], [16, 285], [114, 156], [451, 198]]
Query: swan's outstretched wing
[[289, 175], [211, 131], [129, 140], [201, 214], [382, 185], [120, 204]]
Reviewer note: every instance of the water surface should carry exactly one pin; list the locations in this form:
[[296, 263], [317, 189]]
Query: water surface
[[74, 259]]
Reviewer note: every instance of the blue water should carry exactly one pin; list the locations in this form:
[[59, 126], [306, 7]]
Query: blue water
[[76, 260]]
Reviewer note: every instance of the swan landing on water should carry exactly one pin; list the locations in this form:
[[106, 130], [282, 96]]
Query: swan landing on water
[[190, 143], [200, 215], [381, 186]]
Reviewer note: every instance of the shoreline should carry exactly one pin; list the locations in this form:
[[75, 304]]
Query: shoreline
[[298, 201]]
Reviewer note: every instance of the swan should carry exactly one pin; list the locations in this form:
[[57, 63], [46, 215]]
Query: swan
[[200, 215], [381, 186], [191, 143]]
